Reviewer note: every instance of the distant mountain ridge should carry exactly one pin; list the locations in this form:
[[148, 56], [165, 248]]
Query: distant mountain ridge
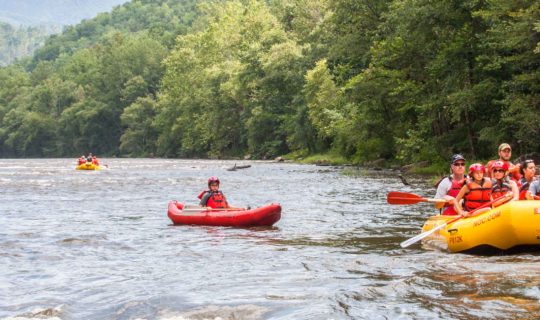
[[52, 12]]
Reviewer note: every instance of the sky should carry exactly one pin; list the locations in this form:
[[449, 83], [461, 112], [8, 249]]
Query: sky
[[52, 12]]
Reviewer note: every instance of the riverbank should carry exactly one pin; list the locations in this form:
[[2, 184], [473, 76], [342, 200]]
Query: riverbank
[[329, 159], [433, 169]]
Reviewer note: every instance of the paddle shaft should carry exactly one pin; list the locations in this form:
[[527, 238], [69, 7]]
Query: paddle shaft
[[423, 235], [202, 209]]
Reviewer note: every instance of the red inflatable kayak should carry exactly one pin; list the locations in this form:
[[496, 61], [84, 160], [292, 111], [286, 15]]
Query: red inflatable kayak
[[263, 216]]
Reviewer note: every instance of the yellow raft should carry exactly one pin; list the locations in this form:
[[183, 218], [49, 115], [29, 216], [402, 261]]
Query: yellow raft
[[88, 166], [516, 223]]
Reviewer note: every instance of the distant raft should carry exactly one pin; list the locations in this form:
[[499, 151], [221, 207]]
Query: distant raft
[[88, 166], [514, 224], [263, 216]]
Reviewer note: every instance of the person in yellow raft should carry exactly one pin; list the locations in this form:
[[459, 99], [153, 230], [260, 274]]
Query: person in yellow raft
[[502, 184], [533, 193], [505, 153], [477, 192], [81, 160], [449, 187]]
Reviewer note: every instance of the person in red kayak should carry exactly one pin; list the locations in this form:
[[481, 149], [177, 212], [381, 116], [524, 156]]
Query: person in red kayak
[[213, 197]]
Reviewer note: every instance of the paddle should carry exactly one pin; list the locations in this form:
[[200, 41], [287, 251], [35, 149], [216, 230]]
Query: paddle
[[205, 209], [396, 197], [423, 235]]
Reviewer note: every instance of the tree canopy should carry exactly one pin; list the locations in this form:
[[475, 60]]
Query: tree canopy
[[403, 80]]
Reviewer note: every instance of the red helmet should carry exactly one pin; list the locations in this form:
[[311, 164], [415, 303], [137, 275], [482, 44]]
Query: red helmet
[[213, 179], [476, 167], [499, 165]]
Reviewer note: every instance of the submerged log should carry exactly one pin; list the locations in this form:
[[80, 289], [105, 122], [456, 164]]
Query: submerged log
[[235, 167], [403, 180]]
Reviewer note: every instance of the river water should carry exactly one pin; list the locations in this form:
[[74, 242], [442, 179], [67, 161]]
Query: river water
[[99, 245]]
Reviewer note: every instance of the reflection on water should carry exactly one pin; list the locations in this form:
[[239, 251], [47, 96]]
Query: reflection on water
[[99, 245]]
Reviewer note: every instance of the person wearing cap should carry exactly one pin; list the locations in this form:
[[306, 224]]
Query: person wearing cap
[[502, 185], [505, 153], [475, 193], [450, 186]]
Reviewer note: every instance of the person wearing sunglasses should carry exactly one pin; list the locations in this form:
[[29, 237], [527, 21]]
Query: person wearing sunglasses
[[505, 153], [528, 170], [449, 187], [502, 185]]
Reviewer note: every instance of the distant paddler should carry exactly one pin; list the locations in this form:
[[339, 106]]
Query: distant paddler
[[89, 162]]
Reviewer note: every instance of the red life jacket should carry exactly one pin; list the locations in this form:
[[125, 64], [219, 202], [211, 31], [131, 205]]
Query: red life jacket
[[82, 160], [95, 161], [499, 190], [478, 194], [523, 188], [216, 199], [453, 191], [516, 175]]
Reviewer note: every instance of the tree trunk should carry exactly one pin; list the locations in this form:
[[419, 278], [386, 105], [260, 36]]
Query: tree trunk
[[470, 134]]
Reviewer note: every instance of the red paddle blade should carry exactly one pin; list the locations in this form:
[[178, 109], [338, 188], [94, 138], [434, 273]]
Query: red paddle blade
[[396, 197]]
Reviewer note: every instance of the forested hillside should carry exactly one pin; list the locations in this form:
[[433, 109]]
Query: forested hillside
[[402, 80], [17, 42], [24, 25]]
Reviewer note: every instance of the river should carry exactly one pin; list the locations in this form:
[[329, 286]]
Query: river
[[99, 245]]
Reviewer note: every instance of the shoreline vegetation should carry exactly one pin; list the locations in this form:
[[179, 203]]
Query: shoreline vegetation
[[330, 159], [432, 171]]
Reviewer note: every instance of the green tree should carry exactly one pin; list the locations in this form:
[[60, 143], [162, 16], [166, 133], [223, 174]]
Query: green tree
[[513, 39], [230, 87], [324, 100], [140, 136], [30, 133]]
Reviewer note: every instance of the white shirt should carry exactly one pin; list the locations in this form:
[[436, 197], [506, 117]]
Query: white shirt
[[443, 188]]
